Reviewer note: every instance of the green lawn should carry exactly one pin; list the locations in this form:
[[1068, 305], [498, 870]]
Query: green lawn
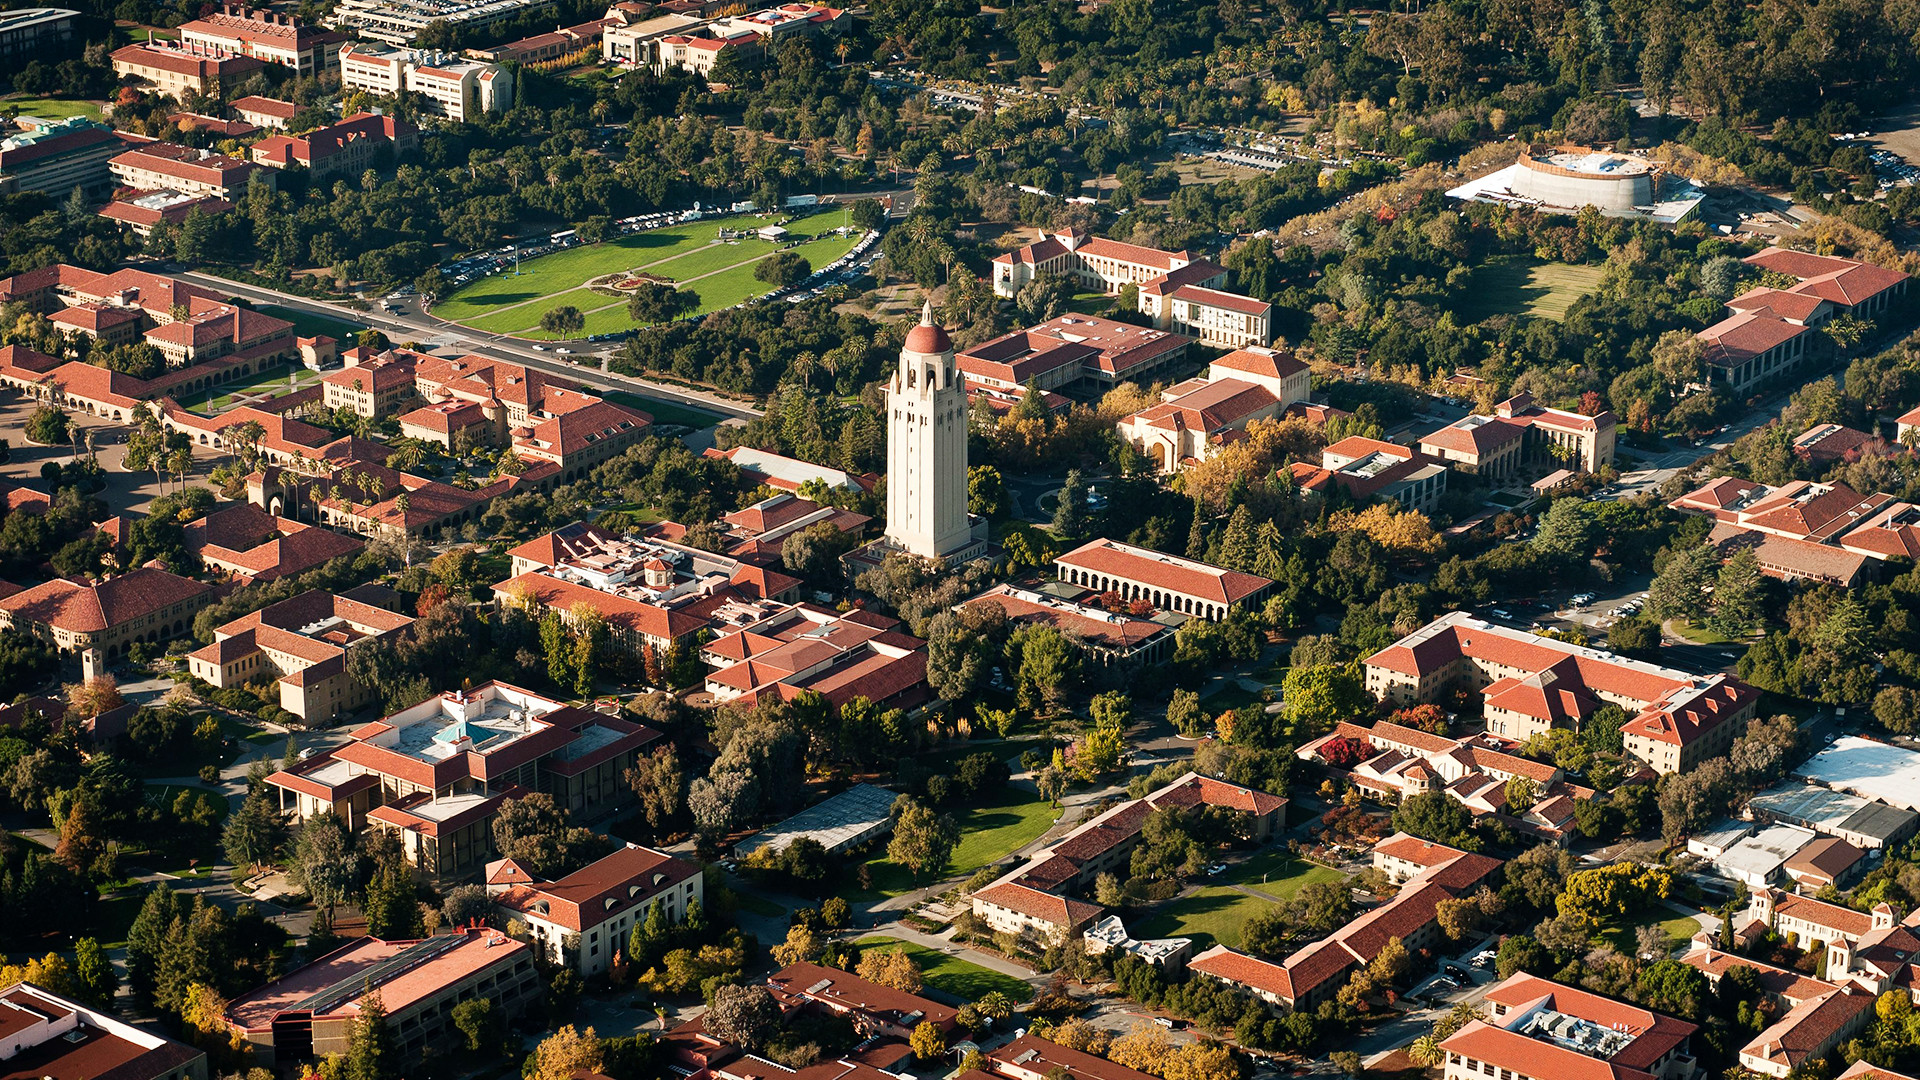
[[988, 833], [963, 979], [273, 382], [1525, 286], [51, 108], [721, 273], [1699, 635], [663, 411], [309, 325], [1622, 934], [1281, 874], [114, 916], [1090, 303], [1210, 916]]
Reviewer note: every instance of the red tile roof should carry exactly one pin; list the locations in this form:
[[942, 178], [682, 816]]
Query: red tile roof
[[604, 889], [1170, 573], [1215, 298], [92, 607], [1060, 911]]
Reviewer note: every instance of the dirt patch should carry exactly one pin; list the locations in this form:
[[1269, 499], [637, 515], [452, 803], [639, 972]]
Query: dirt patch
[[1898, 131]]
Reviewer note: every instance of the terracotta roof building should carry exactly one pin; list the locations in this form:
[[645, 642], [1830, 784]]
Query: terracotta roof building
[[255, 546], [877, 1012], [1030, 1057], [160, 166], [438, 772], [806, 649], [1195, 418], [216, 342], [652, 593], [584, 918], [1117, 640], [1314, 973], [1542, 1030], [1369, 468], [349, 147], [236, 30], [302, 644], [264, 112], [1804, 530], [103, 619], [1066, 349], [1530, 684], [173, 71], [1033, 898], [1522, 433], [310, 1012], [1168, 582], [1769, 330], [44, 1035], [52, 156], [1809, 1031]]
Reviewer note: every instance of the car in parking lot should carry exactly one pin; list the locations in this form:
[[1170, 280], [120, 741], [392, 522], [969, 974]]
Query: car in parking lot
[[1216, 868]]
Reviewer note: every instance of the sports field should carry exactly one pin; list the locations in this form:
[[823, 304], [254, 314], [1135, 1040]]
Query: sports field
[[1527, 287], [691, 255]]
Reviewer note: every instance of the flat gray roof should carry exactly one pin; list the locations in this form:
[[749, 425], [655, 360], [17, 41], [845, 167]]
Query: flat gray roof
[[1826, 809], [859, 813]]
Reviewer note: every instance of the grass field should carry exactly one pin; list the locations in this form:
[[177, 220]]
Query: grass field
[[1622, 936], [1210, 916], [963, 979], [267, 382], [720, 273], [1280, 874], [988, 833], [1527, 287], [51, 108], [309, 325], [662, 411]]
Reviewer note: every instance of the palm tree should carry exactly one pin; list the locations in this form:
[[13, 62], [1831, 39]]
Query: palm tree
[[1426, 1053]]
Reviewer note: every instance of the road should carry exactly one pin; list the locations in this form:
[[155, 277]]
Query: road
[[435, 332]]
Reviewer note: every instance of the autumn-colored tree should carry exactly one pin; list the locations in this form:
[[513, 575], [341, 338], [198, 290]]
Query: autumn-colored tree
[[927, 1041], [566, 1053], [94, 696], [1406, 533], [1144, 1048], [890, 967]]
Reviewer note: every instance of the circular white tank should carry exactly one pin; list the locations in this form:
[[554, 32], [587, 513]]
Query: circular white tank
[[1614, 183]]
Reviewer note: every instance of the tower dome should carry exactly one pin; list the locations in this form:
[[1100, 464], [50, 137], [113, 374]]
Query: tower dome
[[928, 338]]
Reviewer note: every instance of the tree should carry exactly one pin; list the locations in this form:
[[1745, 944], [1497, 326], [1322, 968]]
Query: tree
[[392, 903], [1434, 816], [1070, 519], [986, 491], [890, 967], [1898, 709], [1680, 589], [370, 1051], [1186, 715], [47, 426], [1426, 1053], [466, 905], [94, 973], [474, 1019], [97, 695], [324, 864], [1521, 793], [1319, 697], [539, 835], [661, 785], [1680, 358], [922, 840], [1739, 595], [255, 833], [782, 268], [928, 1043], [564, 320], [566, 1053], [653, 302], [746, 1016]]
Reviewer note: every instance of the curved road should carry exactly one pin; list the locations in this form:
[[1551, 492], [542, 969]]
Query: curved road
[[421, 327]]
